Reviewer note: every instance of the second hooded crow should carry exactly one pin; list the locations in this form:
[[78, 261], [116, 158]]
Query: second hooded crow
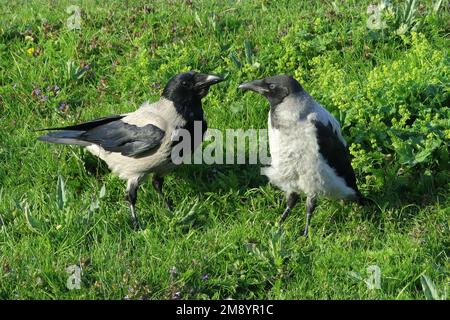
[[138, 143], [307, 149]]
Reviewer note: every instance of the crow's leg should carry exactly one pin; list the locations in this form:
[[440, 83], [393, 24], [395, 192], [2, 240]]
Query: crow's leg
[[158, 182], [310, 206], [132, 187], [291, 200]]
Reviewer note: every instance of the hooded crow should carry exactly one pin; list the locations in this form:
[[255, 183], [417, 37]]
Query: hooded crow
[[138, 143], [307, 149]]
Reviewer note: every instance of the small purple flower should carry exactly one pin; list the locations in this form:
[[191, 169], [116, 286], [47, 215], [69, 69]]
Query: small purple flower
[[84, 65], [63, 106], [53, 89], [36, 92], [43, 98], [205, 277]]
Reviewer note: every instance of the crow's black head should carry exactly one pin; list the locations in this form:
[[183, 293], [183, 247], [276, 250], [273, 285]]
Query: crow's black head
[[189, 87], [275, 88]]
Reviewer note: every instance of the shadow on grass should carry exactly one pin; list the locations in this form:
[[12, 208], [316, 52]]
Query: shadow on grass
[[221, 178], [402, 198]]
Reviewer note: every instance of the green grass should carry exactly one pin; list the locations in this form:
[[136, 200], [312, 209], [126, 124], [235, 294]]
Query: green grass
[[222, 239]]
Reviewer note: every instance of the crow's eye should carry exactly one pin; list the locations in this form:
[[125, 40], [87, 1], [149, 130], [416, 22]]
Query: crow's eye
[[184, 83], [271, 86]]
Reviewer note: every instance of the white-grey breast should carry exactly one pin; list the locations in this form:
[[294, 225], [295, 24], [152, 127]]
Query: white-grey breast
[[297, 163]]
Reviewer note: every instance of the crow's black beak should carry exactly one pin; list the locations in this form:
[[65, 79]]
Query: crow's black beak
[[207, 80], [256, 85]]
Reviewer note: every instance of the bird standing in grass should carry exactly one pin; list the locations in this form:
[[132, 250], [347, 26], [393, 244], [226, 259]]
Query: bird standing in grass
[[307, 149], [138, 143]]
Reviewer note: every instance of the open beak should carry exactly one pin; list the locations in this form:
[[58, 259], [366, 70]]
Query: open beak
[[206, 80], [256, 85]]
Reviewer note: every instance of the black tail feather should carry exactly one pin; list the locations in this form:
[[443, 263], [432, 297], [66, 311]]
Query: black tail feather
[[362, 200], [87, 125], [64, 137]]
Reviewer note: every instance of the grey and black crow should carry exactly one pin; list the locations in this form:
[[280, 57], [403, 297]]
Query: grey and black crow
[[308, 152], [138, 143]]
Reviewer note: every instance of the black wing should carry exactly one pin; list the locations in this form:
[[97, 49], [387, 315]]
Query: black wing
[[335, 153], [112, 134], [128, 139]]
